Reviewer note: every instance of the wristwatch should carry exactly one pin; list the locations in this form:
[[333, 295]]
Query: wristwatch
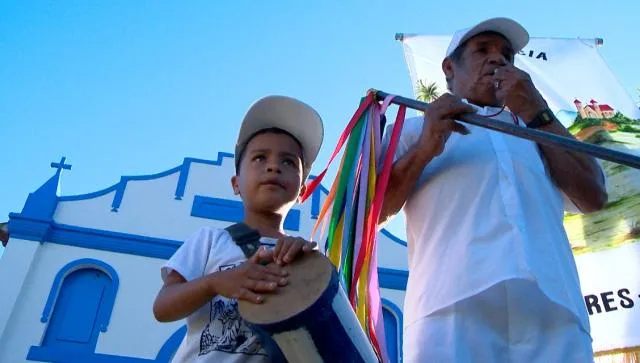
[[543, 118]]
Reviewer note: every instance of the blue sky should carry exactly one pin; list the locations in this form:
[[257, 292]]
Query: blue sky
[[133, 87]]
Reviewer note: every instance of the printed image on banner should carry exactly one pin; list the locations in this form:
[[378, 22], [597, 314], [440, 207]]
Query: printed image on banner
[[587, 98]]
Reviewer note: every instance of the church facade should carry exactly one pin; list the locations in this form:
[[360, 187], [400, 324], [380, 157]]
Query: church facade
[[81, 272]]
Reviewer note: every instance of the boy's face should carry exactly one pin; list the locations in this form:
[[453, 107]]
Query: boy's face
[[270, 173]]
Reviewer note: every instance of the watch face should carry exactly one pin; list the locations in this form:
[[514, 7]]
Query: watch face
[[547, 116]]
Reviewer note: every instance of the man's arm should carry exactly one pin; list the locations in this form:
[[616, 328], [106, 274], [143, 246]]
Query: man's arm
[[407, 170], [404, 175], [578, 175]]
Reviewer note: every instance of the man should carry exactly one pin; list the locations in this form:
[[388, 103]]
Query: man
[[491, 272]]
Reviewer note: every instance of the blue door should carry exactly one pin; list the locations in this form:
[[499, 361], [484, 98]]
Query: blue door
[[74, 324]]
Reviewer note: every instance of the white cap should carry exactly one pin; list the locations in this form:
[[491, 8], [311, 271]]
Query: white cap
[[515, 33], [290, 115]]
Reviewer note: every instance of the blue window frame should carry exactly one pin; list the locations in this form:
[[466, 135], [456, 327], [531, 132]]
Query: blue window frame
[[392, 317]]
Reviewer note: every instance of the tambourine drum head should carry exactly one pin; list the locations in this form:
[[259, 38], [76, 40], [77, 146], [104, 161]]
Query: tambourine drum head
[[308, 278]]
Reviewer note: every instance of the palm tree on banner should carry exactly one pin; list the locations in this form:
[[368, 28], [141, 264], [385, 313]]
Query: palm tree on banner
[[427, 92]]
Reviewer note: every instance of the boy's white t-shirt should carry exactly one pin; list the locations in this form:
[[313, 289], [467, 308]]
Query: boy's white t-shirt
[[215, 332]]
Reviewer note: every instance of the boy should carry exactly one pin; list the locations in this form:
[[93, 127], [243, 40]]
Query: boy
[[279, 139]]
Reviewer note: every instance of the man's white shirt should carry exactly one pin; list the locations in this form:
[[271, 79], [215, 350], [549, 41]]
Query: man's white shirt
[[485, 211]]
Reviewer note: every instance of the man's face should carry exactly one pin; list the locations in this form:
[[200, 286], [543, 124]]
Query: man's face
[[471, 77], [270, 174]]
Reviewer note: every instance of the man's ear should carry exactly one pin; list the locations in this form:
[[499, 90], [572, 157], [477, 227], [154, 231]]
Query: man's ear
[[447, 68], [234, 185]]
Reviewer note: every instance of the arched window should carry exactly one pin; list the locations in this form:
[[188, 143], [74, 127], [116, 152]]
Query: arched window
[[392, 317], [78, 308]]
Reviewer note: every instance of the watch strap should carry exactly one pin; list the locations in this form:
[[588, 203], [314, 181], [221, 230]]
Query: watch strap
[[543, 118]]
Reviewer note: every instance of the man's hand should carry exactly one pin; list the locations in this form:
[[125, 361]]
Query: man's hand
[[516, 90], [439, 122], [577, 174], [248, 280], [288, 248]]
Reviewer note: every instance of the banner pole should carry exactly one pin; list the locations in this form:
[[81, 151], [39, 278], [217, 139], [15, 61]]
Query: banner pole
[[542, 137]]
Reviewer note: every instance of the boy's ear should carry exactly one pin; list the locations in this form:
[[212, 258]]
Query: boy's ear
[[303, 189], [234, 185]]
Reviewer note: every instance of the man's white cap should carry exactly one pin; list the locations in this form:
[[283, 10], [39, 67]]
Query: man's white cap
[[290, 115], [515, 33]]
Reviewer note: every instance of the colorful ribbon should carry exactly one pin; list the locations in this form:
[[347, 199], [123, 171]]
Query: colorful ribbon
[[352, 208]]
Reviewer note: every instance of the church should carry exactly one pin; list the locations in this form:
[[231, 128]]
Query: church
[[81, 272]]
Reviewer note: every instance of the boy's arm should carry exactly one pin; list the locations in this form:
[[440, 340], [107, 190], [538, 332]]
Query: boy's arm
[[179, 298], [186, 286]]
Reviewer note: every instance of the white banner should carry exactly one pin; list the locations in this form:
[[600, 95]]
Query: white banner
[[611, 288], [563, 70], [588, 99]]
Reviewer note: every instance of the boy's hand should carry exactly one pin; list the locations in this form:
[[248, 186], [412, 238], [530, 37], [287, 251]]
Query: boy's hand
[[288, 248], [248, 280]]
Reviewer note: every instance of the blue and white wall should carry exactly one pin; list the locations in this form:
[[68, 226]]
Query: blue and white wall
[[80, 273]]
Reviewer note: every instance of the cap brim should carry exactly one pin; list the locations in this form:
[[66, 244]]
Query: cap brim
[[290, 115], [515, 33]]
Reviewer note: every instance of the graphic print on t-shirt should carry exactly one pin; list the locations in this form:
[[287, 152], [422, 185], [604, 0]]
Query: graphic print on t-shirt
[[226, 331]]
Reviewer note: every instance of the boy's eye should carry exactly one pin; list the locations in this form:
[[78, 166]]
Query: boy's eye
[[258, 158], [289, 162]]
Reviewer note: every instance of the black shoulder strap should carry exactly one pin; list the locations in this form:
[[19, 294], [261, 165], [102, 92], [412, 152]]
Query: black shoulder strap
[[247, 238]]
